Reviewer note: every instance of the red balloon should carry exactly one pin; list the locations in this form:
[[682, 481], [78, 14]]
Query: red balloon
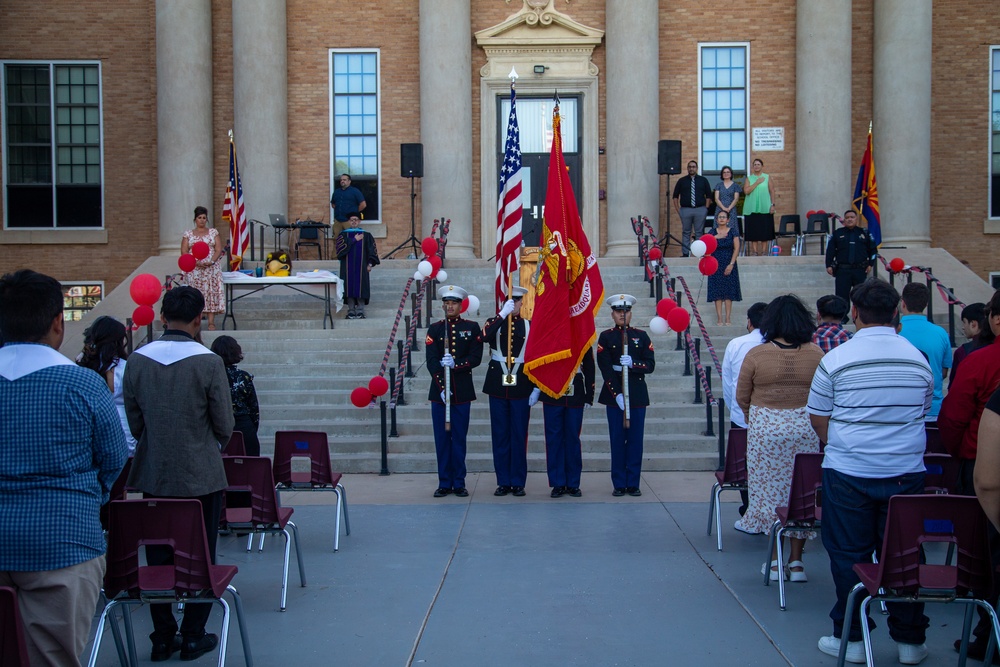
[[465, 305], [145, 289], [664, 306], [655, 253], [897, 265], [708, 265], [429, 245], [678, 319], [200, 250], [186, 263], [361, 397], [810, 212], [378, 385], [435, 264], [143, 315], [710, 242], [821, 212]]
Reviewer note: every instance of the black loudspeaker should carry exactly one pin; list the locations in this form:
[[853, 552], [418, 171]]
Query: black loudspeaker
[[668, 157], [411, 160]]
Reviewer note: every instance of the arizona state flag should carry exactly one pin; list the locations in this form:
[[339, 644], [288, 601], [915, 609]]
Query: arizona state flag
[[569, 289], [865, 200]]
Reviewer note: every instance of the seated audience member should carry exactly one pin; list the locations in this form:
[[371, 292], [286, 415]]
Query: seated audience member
[[927, 337], [62, 448], [831, 313], [874, 450], [976, 328]]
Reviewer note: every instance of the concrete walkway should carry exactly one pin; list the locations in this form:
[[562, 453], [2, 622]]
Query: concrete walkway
[[489, 581]]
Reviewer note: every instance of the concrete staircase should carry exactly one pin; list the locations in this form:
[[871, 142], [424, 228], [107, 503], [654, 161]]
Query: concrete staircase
[[304, 374]]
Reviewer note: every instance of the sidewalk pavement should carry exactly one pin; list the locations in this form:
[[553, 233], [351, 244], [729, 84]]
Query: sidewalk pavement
[[488, 580]]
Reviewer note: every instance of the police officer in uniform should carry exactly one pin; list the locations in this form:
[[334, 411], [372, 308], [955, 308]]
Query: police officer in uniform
[[508, 388], [455, 344], [563, 423], [850, 255], [619, 348]]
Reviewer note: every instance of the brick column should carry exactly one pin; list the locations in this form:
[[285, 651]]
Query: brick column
[[260, 104], [823, 106], [902, 119], [183, 115], [633, 110], [446, 120]]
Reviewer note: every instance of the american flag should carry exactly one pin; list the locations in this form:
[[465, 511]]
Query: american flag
[[509, 207], [233, 210]]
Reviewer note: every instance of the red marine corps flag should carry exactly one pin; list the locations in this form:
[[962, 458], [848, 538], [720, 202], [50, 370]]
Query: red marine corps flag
[[569, 289], [233, 210]]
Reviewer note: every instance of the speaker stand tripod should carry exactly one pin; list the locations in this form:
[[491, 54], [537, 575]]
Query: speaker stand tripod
[[412, 240]]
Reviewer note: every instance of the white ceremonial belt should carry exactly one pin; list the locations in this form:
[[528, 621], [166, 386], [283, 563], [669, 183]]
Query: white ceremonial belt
[[616, 368], [496, 356]]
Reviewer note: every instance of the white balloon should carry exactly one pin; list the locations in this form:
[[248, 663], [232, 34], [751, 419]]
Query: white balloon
[[441, 276], [658, 325], [418, 276], [473, 303], [698, 248], [426, 268]]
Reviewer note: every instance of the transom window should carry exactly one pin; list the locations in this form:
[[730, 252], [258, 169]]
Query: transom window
[[52, 138], [355, 123], [723, 87]]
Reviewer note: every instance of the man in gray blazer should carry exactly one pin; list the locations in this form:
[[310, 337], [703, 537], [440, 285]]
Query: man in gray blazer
[[179, 409]]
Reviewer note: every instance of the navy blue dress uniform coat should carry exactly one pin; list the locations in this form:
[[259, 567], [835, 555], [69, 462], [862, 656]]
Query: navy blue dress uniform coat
[[850, 253], [563, 423], [626, 443], [464, 341], [493, 386]]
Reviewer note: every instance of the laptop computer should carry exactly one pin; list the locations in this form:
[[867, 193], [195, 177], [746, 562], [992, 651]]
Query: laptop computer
[[279, 221]]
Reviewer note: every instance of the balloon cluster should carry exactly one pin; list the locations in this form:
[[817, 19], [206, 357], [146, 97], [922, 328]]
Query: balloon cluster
[[430, 265], [199, 250], [703, 249], [669, 316], [145, 290], [362, 397], [470, 303]]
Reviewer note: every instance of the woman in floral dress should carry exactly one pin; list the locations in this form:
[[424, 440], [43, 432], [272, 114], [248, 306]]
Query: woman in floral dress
[[724, 284], [207, 274]]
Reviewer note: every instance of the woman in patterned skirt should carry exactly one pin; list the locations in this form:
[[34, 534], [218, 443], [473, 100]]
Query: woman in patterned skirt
[[772, 391], [207, 274]]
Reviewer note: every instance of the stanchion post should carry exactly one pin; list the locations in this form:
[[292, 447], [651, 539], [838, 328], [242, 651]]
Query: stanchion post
[[930, 301], [697, 380], [128, 335], [687, 358], [659, 282], [385, 441], [392, 424], [722, 434], [951, 320], [708, 404]]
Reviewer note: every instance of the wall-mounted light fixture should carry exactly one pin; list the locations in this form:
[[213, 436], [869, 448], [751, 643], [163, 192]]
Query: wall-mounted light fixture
[[539, 69]]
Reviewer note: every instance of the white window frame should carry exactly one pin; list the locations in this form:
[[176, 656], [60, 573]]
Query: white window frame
[[52, 64], [747, 131], [334, 183], [991, 91]]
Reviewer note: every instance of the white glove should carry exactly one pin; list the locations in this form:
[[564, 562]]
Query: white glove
[[626, 361], [442, 398], [507, 309], [448, 360], [620, 400], [535, 393]]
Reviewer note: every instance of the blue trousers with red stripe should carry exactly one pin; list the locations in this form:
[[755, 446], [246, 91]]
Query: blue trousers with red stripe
[[509, 428], [563, 455], [626, 446]]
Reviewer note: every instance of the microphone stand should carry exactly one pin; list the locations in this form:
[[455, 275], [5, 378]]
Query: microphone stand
[[412, 240]]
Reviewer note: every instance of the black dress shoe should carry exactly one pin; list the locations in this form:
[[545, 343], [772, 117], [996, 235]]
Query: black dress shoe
[[619, 491], [462, 493], [502, 491], [164, 650], [517, 491], [574, 491], [634, 491], [442, 492], [557, 491], [194, 649], [977, 649]]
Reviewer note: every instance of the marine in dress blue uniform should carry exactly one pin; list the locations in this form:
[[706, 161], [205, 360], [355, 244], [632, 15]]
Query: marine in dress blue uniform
[[850, 255], [457, 344], [509, 410], [563, 423], [612, 356]]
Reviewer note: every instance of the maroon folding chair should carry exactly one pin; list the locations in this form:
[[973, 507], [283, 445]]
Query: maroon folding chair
[[312, 445], [192, 579], [934, 444], [941, 474], [731, 478], [252, 475], [118, 492], [803, 511], [13, 650], [910, 571], [235, 446]]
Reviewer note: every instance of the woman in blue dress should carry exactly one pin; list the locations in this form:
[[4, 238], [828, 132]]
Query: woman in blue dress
[[724, 284]]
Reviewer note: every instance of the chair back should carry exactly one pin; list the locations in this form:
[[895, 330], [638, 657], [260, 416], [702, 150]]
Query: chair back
[[308, 233], [818, 223], [735, 471], [177, 523], [235, 446], [914, 521], [251, 474], [941, 473], [807, 483], [790, 221], [13, 650], [934, 444], [118, 491], [302, 444]]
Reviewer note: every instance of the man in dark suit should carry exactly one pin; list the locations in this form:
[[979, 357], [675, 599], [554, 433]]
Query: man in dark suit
[[618, 349], [508, 388], [179, 408], [456, 345]]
